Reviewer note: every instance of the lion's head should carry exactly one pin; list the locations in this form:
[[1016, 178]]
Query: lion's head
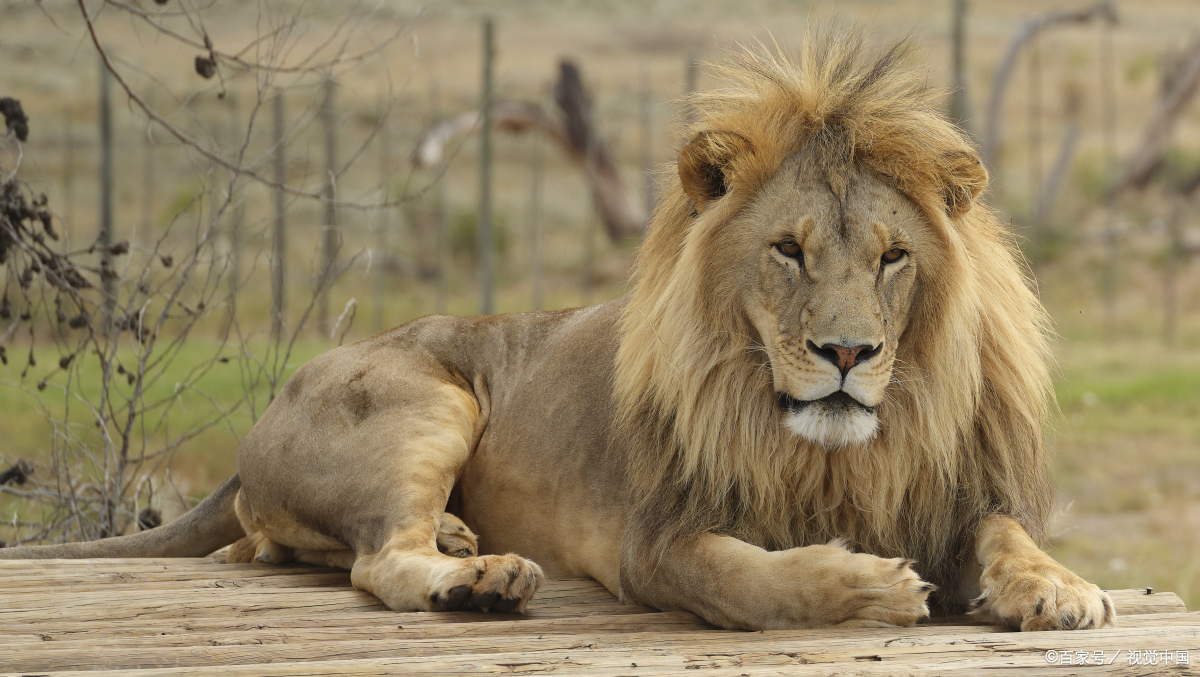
[[825, 261], [829, 335]]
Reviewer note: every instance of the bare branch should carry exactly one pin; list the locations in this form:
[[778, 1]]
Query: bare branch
[[575, 134], [1141, 165], [207, 152]]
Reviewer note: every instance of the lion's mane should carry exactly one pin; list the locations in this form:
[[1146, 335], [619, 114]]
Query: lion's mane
[[962, 426]]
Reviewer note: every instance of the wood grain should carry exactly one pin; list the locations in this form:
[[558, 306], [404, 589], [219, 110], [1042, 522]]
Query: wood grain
[[200, 616]]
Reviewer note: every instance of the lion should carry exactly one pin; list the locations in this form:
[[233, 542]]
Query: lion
[[821, 404]]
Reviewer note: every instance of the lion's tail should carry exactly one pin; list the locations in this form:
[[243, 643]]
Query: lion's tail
[[209, 526]]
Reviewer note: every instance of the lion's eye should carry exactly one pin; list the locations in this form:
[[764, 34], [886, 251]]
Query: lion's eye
[[789, 249], [892, 255]]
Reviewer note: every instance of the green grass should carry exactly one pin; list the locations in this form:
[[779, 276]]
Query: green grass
[[194, 386], [1131, 384]]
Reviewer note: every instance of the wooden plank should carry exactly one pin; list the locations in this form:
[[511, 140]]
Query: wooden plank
[[132, 601], [357, 627], [123, 562], [116, 582], [755, 653], [198, 614], [32, 573], [1134, 602], [241, 597], [825, 646], [134, 604], [97, 605], [371, 626], [226, 631], [67, 580], [72, 577], [183, 567]]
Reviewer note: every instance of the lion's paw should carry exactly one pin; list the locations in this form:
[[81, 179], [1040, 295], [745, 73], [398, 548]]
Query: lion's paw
[[455, 539], [859, 589], [502, 583], [882, 592], [1037, 593]]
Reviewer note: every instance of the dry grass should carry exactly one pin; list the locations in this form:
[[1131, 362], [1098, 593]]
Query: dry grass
[[1127, 464]]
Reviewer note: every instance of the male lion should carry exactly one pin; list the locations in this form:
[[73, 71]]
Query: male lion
[[830, 374]]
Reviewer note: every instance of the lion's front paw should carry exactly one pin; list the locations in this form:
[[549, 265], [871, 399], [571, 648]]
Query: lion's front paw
[[1037, 593], [870, 591]]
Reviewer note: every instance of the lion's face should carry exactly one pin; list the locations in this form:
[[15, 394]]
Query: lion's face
[[831, 263]]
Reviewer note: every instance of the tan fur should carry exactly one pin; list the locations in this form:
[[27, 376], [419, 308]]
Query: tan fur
[[767, 439]]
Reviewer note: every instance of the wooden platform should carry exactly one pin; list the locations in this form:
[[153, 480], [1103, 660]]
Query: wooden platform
[[203, 617]]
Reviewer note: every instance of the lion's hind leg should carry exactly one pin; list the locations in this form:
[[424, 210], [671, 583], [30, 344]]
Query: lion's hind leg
[[421, 558]]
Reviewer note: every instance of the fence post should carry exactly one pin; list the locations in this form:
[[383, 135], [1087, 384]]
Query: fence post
[[691, 80], [107, 273], [329, 229], [691, 76], [278, 241], [589, 228], [535, 220], [486, 292]]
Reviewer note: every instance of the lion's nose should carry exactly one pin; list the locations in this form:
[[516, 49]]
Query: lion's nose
[[845, 358]]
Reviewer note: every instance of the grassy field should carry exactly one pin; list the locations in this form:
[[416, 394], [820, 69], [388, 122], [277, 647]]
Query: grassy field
[[1127, 443], [1127, 466]]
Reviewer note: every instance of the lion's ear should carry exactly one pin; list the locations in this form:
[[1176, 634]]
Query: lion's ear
[[704, 162], [963, 179]]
